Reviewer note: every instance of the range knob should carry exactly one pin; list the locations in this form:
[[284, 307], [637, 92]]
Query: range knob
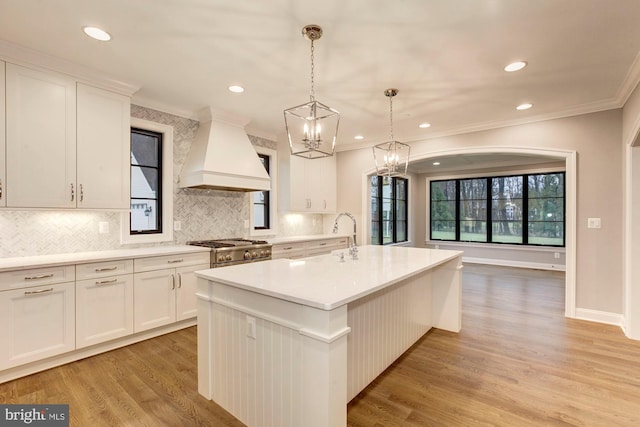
[[261, 254], [247, 255], [267, 252], [254, 254], [229, 257], [221, 258]]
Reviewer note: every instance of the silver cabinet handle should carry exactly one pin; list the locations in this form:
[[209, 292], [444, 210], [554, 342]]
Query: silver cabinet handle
[[106, 282], [41, 276], [107, 268], [41, 291], [0, 189], [323, 244], [288, 248], [81, 193], [173, 281], [173, 261], [179, 280], [73, 192]]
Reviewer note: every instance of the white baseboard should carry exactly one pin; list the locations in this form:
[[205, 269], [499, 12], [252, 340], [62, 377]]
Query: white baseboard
[[519, 264], [600, 317]]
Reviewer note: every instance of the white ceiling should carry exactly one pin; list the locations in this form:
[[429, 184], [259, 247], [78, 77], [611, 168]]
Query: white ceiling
[[446, 57]]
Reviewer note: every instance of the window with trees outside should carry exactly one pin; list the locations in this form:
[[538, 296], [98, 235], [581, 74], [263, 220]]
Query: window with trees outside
[[526, 209], [389, 207]]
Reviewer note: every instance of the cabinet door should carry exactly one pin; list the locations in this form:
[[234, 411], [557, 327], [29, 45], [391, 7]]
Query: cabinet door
[[321, 184], [3, 175], [37, 322], [40, 138], [104, 309], [299, 198], [103, 148], [187, 283], [154, 299]]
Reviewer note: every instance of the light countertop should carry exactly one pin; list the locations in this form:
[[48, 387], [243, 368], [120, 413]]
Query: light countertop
[[326, 283], [37, 261]]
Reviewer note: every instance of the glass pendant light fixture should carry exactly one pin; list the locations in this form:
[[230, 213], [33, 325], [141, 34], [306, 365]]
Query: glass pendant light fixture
[[312, 127], [391, 158]]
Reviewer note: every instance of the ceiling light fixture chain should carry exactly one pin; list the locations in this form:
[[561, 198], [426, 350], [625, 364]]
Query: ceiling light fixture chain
[[312, 94]]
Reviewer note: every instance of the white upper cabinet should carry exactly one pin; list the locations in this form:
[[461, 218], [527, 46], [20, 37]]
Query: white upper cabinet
[[67, 143], [103, 153], [40, 139], [307, 185], [3, 174]]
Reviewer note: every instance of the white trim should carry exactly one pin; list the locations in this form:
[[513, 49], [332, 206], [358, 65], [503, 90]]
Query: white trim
[[167, 188], [517, 264], [21, 55], [503, 246], [600, 317], [273, 195]]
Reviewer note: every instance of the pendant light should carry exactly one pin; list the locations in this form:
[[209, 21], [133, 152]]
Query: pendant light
[[391, 158], [312, 127]]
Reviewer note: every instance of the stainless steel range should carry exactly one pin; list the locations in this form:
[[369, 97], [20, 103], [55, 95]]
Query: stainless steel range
[[235, 251]]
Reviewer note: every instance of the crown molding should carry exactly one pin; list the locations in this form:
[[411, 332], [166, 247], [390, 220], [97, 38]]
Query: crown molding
[[630, 81], [594, 107], [34, 59]]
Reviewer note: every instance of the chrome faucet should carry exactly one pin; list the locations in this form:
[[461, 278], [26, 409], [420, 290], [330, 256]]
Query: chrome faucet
[[353, 247]]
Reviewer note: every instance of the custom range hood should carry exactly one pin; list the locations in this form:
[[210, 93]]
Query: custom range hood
[[222, 157]]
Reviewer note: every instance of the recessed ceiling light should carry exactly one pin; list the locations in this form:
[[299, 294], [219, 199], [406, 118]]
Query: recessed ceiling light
[[236, 89], [358, 137], [424, 125], [524, 106], [97, 33], [436, 163], [515, 66]]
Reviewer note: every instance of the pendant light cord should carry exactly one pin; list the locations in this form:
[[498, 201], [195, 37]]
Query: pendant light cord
[[391, 117]]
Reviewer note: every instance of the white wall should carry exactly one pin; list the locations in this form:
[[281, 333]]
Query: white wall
[[596, 140]]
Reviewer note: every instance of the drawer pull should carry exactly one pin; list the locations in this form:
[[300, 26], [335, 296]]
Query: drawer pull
[[41, 276], [323, 244], [41, 291], [115, 267], [106, 282], [288, 248], [174, 261]]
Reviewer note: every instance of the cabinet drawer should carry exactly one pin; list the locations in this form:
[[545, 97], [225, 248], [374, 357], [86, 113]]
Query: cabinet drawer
[[103, 269], [17, 279], [170, 261], [288, 250]]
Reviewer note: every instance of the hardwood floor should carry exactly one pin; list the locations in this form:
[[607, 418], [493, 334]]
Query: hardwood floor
[[517, 362]]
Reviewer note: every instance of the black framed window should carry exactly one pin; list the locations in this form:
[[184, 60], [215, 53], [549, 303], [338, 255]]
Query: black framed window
[[146, 182], [389, 210], [526, 209], [261, 202]]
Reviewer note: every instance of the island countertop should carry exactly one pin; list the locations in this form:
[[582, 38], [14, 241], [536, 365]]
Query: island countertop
[[326, 283]]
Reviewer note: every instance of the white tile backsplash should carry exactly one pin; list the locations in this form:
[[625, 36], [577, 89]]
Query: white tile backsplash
[[204, 214]]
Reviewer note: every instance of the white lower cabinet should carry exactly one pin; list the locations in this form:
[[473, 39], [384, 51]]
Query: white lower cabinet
[[37, 322], [165, 295], [104, 309]]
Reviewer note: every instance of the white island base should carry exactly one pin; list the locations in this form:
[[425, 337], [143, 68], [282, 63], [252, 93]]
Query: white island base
[[291, 342]]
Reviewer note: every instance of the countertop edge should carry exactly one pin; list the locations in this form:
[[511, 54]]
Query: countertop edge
[[52, 260]]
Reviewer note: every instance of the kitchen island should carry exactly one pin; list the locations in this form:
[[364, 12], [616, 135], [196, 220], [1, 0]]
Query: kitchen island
[[291, 342]]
